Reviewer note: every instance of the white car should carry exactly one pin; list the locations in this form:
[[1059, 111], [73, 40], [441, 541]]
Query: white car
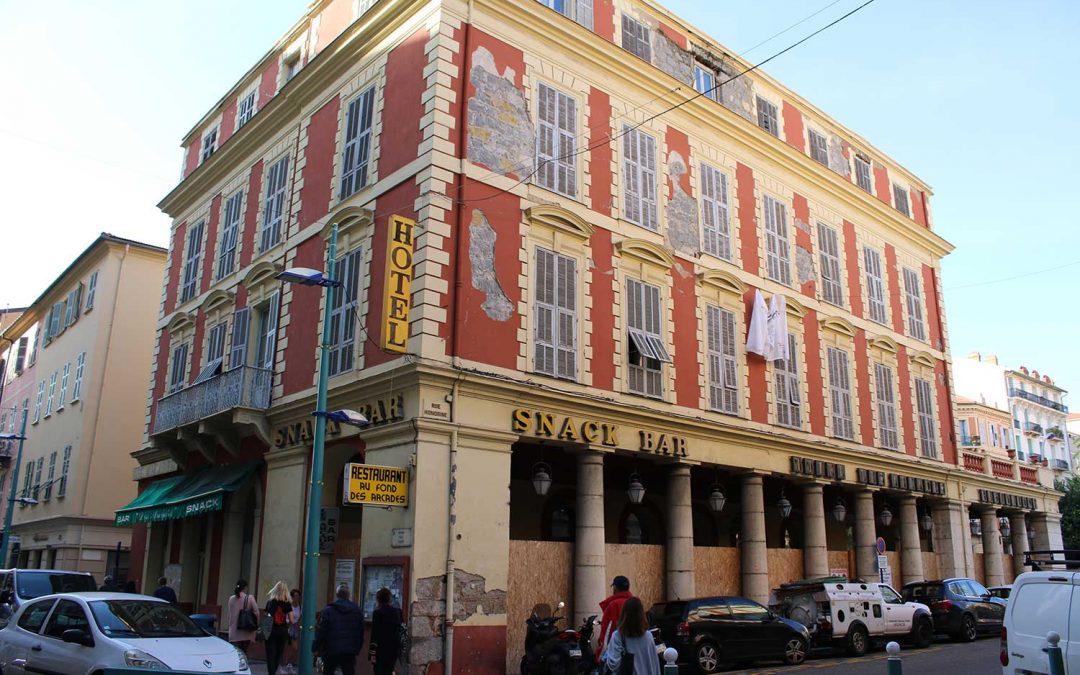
[[81, 633], [1041, 602]]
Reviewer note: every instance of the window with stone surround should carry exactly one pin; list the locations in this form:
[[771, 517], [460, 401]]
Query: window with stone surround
[[230, 232], [241, 326], [635, 38], [274, 206], [716, 234], [343, 312], [777, 243], [178, 368], [862, 172], [555, 315], [556, 141], [722, 360], [832, 290], [356, 155], [888, 437], [900, 199], [787, 388], [819, 148], [639, 178], [209, 144], [580, 11], [924, 401], [267, 315], [913, 297], [767, 117], [840, 394], [192, 262], [245, 109], [645, 344], [875, 285]]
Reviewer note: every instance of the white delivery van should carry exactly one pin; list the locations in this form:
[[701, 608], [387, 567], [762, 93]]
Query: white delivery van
[[1041, 602]]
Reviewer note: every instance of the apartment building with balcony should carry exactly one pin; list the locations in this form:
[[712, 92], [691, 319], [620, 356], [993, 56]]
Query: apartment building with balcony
[[76, 362], [567, 376]]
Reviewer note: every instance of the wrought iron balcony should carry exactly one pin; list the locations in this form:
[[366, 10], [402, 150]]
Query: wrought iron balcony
[[1055, 434], [971, 441], [1032, 428], [1059, 465], [237, 388], [1041, 400]]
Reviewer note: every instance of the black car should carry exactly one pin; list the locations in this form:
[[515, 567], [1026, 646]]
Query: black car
[[963, 608], [708, 632]]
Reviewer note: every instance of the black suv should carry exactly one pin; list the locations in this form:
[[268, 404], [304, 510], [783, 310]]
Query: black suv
[[963, 608], [708, 632]]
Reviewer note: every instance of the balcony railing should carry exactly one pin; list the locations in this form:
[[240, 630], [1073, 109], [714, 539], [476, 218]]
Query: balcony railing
[[237, 388], [1029, 475], [1055, 434], [1032, 428], [1041, 400], [971, 441], [976, 463], [1059, 464], [1002, 469]]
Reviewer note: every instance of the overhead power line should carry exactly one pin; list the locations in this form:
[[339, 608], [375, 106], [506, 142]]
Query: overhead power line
[[1014, 277]]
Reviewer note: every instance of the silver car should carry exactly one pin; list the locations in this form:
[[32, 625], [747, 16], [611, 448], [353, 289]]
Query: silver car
[[87, 632]]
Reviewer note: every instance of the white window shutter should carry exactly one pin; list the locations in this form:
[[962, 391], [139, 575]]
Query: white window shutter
[[584, 13]]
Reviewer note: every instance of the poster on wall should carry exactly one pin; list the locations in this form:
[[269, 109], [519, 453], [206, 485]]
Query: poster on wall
[[345, 575], [328, 528], [381, 576]]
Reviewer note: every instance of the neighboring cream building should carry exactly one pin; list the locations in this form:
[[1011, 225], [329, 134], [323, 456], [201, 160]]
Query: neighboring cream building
[[77, 361]]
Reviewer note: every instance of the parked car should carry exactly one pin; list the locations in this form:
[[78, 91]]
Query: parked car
[[1041, 602], [83, 633], [853, 615], [962, 608], [708, 632], [27, 584], [1001, 592]]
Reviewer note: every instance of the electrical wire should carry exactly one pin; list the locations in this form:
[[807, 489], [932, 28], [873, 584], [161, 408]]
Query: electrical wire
[[1014, 277], [792, 26]]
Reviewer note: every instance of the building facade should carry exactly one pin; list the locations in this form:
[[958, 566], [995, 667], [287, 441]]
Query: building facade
[[549, 273], [76, 364]]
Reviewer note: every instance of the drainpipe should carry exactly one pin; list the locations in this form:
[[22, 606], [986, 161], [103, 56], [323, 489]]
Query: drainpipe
[[451, 521]]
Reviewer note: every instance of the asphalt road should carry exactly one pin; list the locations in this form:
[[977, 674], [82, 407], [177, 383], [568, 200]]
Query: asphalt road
[[943, 658]]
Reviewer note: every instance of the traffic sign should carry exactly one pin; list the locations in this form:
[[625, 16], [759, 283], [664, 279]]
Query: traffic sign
[[880, 545]]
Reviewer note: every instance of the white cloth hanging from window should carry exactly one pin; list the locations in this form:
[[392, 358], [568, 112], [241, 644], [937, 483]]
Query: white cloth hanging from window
[[776, 340], [758, 334]]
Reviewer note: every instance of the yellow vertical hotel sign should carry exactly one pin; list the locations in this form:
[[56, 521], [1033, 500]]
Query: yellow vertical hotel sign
[[397, 296]]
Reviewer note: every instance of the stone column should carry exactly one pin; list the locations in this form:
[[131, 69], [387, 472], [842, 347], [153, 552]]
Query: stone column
[[755, 564], [911, 548], [865, 536], [589, 561], [969, 546], [680, 541], [1047, 528], [1018, 525], [815, 546], [993, 563], [949, 528]]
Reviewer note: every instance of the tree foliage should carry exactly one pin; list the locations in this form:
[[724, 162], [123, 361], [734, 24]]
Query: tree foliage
[[1070, 512]]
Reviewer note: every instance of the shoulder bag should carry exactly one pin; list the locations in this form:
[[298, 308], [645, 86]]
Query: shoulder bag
[[246, 619]]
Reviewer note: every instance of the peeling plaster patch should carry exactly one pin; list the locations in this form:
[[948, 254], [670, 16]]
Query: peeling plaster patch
[[482, 260], [426, 623], [804, 265], [670, 58], [837, 161], [805, 227], [736, 95], [681, 270], [500, 132], [681, 211], [472, 597]]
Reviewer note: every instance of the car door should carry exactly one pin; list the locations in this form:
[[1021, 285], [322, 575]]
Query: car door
[[710, 621], [18, 640], [751, 623], [897, 613], [1036, 608], [56, 656], [991, 613]]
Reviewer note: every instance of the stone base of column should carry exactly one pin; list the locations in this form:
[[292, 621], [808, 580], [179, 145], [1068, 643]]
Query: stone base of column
[[755, 563]]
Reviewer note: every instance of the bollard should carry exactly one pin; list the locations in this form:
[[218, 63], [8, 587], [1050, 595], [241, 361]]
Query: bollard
[[895, 667], [1053, 653], [670, 656]]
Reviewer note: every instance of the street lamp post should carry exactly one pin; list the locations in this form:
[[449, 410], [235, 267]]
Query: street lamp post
[[4, 544]]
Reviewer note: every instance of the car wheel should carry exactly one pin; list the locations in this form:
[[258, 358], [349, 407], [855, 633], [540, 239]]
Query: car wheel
[[858, 640], [707, 657], [795, 651], [923, 633], [968, 630]]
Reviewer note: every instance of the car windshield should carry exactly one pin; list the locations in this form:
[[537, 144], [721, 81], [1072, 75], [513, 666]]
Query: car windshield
[[922, 592], [36, 584], [142, 619]]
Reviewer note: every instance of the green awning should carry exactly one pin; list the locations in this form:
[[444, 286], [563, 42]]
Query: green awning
[[179, 497]]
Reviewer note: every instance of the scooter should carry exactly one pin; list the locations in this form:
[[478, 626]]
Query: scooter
[[550, 651]]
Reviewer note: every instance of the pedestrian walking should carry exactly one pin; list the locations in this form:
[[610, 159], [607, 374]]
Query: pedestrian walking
[[164, 591], [386, 622], [339, 634], [108, 585], [611, 609], [631, 649], [243, 616], [278, 610], [292, 647]]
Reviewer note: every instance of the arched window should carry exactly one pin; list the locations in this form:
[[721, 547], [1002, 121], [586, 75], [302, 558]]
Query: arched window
[[633, 531], [559, 522]]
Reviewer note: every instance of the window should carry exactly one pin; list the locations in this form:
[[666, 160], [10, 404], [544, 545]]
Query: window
[[178, 373], [900, 199], [215, 342], [34, 616], [862, 172], [840, 394], [274, 208], [635, 38], [230, 235], [714, 207], [28, 481], [777, 246], [580, 11], [76, 388], [292, 65], [245, 110], [705, 82], [268, 322], [34, 346], [747, 610], [61, 488], [20, 355], [994, 435], [241, 325], [647, 353], [555, 334], [63, 386], [925, 405], [723, 367], [67, 616], [40, 399], [766, 117], [209, 144], [556, 141], [357, 152], [916, 329], [639, 178], [829, 249], [74, 299], [786, 381], [38, 466], [819, 148], [875, 285], [190, 286], [886, 407], [52, 395], [52, 474], [343, 317], [54, 323]]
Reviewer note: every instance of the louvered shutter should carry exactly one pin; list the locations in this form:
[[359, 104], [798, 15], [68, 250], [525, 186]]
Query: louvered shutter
[[584, 13], [715, 212], [544, 331], [631, 178], [875, 284], [357, 151], [566, 304], [567, 137], [546, 134], [270, 338], [793, 371], [648, 181]]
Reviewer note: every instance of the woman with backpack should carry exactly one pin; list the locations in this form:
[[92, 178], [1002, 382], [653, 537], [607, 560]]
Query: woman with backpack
[[386, 625], [631, 649], [278, 611], [243, 616]]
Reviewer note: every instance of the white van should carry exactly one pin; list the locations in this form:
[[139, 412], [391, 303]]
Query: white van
[[1041, 602]]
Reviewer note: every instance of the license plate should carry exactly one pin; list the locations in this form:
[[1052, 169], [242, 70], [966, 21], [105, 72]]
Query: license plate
[[575, 653]]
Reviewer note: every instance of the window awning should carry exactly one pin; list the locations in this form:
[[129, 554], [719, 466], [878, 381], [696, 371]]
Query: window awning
[[179, 497]]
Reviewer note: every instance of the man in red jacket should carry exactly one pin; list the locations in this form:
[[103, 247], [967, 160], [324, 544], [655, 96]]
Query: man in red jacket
[[612, 608]]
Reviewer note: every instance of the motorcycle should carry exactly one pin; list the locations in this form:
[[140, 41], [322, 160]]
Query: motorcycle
[[551, 651]]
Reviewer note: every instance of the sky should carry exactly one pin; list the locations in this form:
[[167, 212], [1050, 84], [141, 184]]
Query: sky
[[976, 97]]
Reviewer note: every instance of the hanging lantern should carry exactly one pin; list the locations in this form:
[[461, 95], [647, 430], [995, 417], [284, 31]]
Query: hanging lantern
[[784, 505], [927, 521], [541, 479], [636, 491], [885, 516], [717, 499], [976, 527], [839, 511], [1006, 527]]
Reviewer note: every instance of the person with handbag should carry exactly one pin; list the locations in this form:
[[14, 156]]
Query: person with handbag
[[243, 616], [274, 626], [386, 622], [631, 649]]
